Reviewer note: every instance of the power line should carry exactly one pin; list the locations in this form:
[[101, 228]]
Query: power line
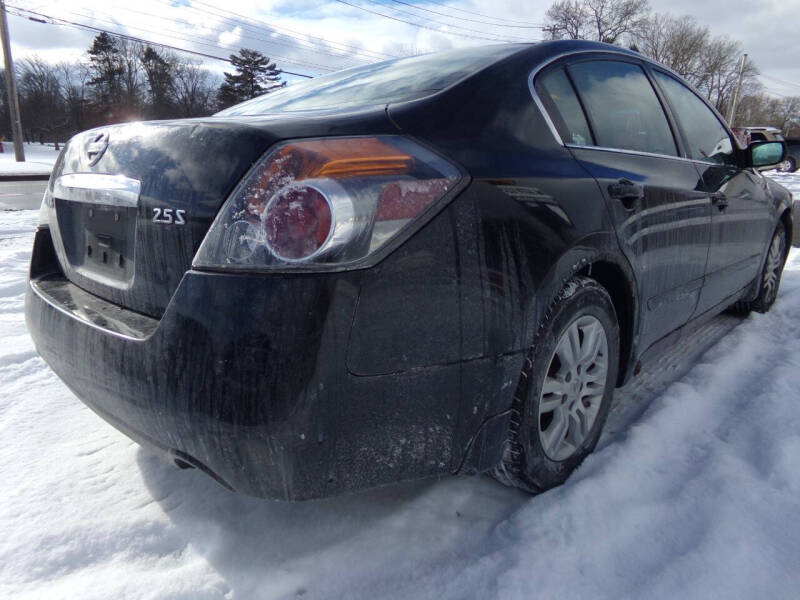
[[477, 14], [419, 25], [65, 22], [278, 28], [415, 7], [789, 83], [252, 37], [181, 35], [61, 21], [496, 36]]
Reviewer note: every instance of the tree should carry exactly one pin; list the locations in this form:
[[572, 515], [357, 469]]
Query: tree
[[106, 69], [41, 102], [719, 66], [73, 79], [132, 91], [193, 90], [599, 20], [677, 42], [255, 75], [159, 71]]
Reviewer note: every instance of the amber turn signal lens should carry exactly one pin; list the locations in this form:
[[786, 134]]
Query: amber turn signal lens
[[348, 157]]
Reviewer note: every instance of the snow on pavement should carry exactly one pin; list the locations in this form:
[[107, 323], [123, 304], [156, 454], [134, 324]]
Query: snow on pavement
[[693, 492], [39, 159]]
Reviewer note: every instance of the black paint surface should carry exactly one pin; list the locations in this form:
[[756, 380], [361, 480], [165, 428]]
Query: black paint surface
[[297, 386]]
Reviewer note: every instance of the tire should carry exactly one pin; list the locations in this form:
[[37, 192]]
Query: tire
[[789, 165], [769, 279], [579, 393]]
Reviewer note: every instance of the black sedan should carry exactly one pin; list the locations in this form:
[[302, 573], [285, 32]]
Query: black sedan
[[440, 264]]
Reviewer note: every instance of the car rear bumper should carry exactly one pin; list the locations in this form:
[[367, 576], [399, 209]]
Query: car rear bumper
[[246, 378]]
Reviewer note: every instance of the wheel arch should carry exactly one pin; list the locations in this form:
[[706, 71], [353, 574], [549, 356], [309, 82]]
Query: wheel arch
[[786, 219], [598, 256], [618, 285]]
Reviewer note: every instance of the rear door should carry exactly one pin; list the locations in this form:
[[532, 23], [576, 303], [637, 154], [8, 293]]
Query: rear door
[[609, 115], [741, 217]]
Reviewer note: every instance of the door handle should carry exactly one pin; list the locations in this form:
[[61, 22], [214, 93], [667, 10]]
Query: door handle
[[719, 200], [626, 192]]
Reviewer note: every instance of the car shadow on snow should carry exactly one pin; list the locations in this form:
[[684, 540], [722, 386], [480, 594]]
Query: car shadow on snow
[[364, 532], [357, 533]]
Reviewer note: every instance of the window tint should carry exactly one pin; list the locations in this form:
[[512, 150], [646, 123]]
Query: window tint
[[623, 107], [562, 104], [707, 138]]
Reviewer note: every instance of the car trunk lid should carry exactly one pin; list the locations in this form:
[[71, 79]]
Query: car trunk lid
[[132, 203]]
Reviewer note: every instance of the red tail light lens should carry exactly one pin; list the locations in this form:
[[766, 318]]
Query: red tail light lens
[[297, 222], [328, 203]]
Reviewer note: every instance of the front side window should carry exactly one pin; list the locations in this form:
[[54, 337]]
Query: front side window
[[563, 106], [623, 108], [708, 140]]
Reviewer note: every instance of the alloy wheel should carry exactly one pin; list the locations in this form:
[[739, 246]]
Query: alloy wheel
[[573, 388]]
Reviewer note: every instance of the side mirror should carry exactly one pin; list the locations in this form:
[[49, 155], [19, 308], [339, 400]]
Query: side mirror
[[765, 155]]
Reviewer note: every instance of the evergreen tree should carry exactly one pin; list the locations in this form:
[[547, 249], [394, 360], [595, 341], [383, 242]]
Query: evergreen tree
[[106, 70], [255, 75], [159, 72]]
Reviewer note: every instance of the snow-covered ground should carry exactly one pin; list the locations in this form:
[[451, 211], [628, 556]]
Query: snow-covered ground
[[39, 159], [693, 492]]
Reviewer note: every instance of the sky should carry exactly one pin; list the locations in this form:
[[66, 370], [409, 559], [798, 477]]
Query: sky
[[312, 37]]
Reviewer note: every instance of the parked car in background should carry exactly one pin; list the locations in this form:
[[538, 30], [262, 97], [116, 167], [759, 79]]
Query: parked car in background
[[792, 161], [758, 134], [434, 265]]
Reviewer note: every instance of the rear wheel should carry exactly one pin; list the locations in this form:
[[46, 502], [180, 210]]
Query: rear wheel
[[789, 165], [565, 389]]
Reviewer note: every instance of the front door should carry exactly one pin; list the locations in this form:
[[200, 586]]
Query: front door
[[741, 219], [664, 233]]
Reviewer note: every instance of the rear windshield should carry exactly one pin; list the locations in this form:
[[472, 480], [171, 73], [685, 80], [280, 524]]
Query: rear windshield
[[379, 83]]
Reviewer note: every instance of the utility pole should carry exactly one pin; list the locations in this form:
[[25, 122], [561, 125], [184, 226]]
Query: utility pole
[[732, 110], [11, 84]]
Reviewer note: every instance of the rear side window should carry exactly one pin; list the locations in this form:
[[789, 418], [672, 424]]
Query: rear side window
[[377, 83], [707, 138], [622, 106], [563, 106]]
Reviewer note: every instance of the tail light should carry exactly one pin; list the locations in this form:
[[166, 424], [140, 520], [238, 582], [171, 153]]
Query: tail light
[[327, 204]]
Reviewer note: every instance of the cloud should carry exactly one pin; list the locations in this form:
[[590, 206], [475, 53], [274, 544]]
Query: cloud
[[291, 31], [229, 38]]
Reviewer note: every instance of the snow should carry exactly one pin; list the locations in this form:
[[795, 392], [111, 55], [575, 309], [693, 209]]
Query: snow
[[693, 492], [39, 159]]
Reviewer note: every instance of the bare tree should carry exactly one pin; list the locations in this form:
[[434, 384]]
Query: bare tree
[[677, 42], [607, 21], [40, 99], [763, 109], [74, 78], [719, 72], [130, 72], [194, 90], [788, 114], [709, 63], [567, 19]]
